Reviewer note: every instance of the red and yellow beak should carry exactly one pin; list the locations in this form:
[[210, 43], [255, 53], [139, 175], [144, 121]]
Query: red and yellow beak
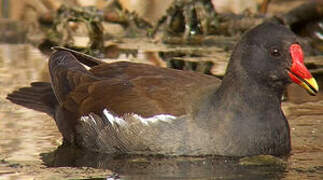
[[298, 73]]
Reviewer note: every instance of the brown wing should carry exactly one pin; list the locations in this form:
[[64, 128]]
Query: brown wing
[[126, 87]]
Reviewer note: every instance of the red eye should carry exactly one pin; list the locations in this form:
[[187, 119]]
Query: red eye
[[275, 52]]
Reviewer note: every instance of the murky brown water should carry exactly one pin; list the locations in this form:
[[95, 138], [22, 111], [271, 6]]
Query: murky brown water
[[29, 140]]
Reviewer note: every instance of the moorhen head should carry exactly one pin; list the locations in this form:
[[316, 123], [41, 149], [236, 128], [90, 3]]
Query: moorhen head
[[126, 107]]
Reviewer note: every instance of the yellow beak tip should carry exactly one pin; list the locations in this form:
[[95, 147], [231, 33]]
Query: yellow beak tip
[[311, 86]]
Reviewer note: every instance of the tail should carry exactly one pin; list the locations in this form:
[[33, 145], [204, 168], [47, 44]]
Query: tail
[[66, 73], [40, 97], [81, 57]]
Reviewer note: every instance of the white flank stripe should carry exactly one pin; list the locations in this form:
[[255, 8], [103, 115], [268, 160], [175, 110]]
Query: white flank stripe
[[113, 119], [154, 119], [319, 35], [120, 121]]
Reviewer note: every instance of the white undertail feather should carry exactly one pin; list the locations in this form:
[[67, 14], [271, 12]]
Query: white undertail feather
[[88, 118]]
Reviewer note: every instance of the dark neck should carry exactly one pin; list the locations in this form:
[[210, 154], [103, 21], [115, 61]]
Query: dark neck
[[244, 114], [247, 91], [245, 117], [244, 97]]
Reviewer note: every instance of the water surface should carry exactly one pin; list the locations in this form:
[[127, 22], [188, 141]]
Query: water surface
[[30, 144]]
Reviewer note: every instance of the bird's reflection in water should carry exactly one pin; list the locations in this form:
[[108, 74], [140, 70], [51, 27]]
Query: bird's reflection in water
[[160, 167]]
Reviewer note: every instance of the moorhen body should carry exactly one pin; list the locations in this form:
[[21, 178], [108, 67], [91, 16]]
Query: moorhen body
[[126, 107]]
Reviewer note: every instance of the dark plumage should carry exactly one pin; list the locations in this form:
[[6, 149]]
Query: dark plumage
[[137, 108]]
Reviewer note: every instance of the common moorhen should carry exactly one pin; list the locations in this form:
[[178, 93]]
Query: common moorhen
[[126, 107]]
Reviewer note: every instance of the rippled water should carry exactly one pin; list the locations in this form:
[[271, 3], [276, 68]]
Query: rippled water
[[30, 143]]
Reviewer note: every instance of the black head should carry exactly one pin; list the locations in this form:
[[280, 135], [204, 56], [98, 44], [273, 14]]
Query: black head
[[265, 56]]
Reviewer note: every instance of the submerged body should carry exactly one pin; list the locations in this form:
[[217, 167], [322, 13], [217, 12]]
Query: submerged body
[[136, 108]]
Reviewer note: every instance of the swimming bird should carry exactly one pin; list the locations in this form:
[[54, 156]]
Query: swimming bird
[[126, 107]]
